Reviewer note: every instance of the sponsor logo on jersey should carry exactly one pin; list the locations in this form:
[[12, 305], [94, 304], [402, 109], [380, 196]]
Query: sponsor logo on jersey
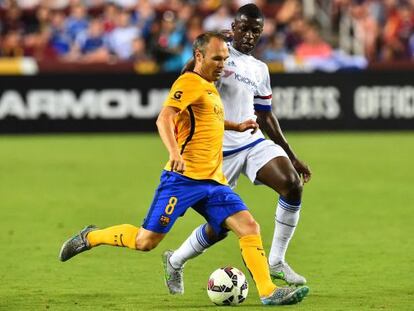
[[245, 80], [231, 63], [177, 95]]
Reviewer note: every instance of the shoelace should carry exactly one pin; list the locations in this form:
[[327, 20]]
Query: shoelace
[[175, 275]]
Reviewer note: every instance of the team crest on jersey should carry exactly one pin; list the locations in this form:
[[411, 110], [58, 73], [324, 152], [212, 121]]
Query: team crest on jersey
[[219, 112], [164, 220]]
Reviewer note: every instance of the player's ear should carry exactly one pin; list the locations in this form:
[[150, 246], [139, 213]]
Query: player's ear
[[198, 55]]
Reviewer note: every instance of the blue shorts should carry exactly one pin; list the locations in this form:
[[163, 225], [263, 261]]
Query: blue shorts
[[176, 193]]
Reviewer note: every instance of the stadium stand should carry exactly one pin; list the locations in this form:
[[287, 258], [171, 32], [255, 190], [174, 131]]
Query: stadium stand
[[155, 35]]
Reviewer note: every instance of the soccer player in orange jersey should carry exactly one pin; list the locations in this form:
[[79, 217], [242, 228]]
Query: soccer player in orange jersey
[[246, 93], [191, 126]]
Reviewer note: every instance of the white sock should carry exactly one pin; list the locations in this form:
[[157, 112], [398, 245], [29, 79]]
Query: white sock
[[195, 244], [287, 217]]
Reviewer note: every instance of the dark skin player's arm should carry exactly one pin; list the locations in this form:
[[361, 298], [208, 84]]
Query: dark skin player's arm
[[270, 125]]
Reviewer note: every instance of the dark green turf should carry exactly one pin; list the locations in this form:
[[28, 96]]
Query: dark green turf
[[354, 242]]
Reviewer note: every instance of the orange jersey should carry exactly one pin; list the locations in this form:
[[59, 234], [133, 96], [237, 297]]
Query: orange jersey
[[199, 126]]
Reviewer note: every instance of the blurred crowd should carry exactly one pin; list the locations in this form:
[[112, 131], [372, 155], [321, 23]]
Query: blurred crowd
[[159, 33]]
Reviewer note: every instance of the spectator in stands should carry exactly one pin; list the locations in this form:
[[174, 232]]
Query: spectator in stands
[[289, 10], [43, 17], [12, 21], [121, 38], [358, 29], [109, 16], [143, 61], [139, 51], [377, 29], [143, 16], [275, 50], [186, 12], [39, 47], [36, 42], [91, 45], [376, 10], [60, 39], [294, 33], [397, 31], [208, 6], [220, 19], [76, 22], [171, 5], [194, 29], [11, 46], [313, 45], [366, 27], [167, 42]]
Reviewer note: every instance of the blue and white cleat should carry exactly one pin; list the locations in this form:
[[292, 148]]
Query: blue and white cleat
[[76, 244], [286, 296], [174, 278]]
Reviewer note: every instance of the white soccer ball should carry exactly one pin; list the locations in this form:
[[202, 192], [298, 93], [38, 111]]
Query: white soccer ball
[[227, 286]]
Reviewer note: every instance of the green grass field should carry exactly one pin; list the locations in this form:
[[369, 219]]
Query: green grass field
[[354, 241]]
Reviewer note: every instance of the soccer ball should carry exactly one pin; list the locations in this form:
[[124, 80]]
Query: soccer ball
[[227, 286]]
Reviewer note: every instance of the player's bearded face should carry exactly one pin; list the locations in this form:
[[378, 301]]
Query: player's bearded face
[[247, 32]]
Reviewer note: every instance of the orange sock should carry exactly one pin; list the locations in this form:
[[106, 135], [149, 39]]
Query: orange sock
[[255, 260], [120, 235]]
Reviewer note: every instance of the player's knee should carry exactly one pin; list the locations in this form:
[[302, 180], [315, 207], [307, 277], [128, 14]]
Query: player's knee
[[292, 187], [251, 227], [213, 237]]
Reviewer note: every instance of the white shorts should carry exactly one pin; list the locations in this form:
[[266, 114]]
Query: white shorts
[[249, 161]]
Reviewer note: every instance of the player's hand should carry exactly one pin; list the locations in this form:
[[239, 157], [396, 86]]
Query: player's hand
[[248, 125], [228, 34], [303, 170], [177, 163]]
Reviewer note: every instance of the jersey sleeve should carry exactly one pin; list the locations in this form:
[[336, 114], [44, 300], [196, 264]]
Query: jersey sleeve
[[183, 92], [263, 94]]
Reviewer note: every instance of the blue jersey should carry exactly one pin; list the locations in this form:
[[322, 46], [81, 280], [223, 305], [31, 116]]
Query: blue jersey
[[176, 193]]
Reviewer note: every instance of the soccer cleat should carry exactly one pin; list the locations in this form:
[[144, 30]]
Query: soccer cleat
[[76, 244], [173, 277], [284, 272], [286, 296]]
